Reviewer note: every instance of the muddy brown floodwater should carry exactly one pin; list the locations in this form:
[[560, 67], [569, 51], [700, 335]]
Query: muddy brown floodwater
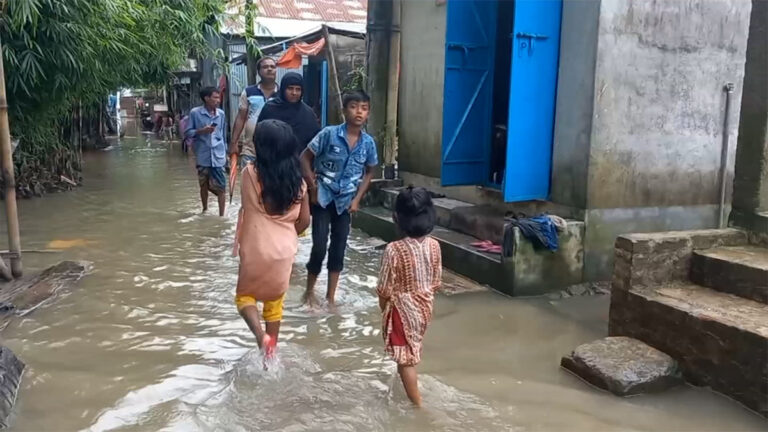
[[151, 340]]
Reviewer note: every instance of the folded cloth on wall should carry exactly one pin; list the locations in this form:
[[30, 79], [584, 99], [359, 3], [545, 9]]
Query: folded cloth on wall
[[540, 230]]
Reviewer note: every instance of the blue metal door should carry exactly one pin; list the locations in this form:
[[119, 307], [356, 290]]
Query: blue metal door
[[469, 58], [535, 55]]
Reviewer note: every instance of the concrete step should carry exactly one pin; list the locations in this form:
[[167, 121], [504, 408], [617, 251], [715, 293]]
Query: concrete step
[[528, 272], [719, 339], [458, 255], [443, 206], [739, 270]]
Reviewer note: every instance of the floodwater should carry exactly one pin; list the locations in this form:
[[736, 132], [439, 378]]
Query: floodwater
[[151, 340]]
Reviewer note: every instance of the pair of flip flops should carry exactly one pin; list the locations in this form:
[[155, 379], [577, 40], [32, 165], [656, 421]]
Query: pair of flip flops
[[486, 246]]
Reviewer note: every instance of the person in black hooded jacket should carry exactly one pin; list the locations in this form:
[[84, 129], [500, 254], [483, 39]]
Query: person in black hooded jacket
[[289, 107]]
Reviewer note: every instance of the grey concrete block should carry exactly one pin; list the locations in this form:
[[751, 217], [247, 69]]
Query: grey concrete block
[[623, 366]]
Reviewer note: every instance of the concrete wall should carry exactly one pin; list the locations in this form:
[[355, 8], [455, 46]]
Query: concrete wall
[[658, 116], [420, 114], [639, 117], [575, 97]]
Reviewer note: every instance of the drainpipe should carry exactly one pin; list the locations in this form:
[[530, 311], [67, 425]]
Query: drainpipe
[[728, 89], [377, 54], [393, 86]]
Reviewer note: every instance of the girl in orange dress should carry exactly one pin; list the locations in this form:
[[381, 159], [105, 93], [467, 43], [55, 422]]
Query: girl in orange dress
[[275, 209], [411, 273]]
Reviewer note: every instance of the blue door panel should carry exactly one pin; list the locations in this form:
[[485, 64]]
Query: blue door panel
[[535, 55], [469, 60]]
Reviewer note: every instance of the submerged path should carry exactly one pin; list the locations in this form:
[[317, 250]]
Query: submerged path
[[151, 339]]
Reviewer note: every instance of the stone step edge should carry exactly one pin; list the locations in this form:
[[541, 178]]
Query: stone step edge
[[725, 301], [458, 256], [701, 266]]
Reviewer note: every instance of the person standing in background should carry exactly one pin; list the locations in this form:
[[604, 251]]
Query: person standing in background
[[206, 126], [252, 100], [289, 108]]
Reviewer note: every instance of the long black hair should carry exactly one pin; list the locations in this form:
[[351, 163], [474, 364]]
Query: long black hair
[[277, 165], [414, 212]]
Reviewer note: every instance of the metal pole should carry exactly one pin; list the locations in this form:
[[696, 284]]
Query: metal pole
[[14, 241], [728, 89]]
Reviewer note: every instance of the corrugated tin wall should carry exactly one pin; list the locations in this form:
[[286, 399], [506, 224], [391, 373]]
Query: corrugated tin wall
[[238, 80]]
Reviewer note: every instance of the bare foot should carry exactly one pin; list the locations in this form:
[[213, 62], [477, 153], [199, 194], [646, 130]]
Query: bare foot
[[310, 299], [332, 308], [268, 346]]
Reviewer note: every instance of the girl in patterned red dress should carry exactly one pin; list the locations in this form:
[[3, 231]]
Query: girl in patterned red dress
[[411, 272]]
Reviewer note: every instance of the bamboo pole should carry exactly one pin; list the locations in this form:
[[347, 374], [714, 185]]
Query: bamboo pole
[[14, 241], [334, 71]]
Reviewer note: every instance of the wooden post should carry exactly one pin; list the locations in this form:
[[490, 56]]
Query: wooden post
[[334, 72], [14, 241]]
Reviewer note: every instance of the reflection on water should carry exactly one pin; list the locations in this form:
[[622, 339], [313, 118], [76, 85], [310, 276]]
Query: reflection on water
[[151, 339]]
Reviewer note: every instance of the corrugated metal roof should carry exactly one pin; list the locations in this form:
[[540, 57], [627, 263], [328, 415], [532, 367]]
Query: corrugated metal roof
[[315, 10], [288, 18]]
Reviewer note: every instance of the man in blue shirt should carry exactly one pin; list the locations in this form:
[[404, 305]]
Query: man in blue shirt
[[252, 100], [206, 127], [338, 166]]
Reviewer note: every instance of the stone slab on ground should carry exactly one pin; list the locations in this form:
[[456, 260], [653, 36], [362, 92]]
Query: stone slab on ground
[[623, 366], [11, 370], [739, 270], [23, 295], [720, 340]]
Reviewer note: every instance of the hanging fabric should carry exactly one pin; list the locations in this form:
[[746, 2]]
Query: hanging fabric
[[291, 59]]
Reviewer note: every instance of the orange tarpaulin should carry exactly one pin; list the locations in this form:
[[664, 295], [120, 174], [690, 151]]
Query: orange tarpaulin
[[292, 57]]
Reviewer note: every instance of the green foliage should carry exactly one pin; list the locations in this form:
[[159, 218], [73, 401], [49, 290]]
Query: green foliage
[[59, 53], [356, 79], [56, 51]]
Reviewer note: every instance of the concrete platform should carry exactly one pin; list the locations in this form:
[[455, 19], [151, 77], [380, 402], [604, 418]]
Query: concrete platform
[[739, 270], [458, 255], [528, 272]]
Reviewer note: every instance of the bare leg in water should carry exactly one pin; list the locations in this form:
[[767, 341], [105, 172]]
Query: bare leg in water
[[411, 383], [251, 316], [204, 197], [333, 283], [309, 298], [222, 202]]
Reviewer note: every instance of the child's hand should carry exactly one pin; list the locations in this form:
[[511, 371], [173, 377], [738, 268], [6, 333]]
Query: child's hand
[[355, 206]]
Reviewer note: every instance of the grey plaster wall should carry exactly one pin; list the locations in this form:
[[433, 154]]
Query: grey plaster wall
[[658, 111], [422, 60], [575, 97], [658, 117]]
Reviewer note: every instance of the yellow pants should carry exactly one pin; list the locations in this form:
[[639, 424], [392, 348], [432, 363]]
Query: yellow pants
[[273, 309]]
